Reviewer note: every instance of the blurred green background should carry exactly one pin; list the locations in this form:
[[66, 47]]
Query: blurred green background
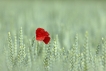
[[65, 18]]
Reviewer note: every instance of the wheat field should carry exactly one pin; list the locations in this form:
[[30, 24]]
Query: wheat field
[[77, 31]]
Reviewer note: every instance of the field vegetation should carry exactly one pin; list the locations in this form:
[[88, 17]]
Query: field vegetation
[[77, 31]]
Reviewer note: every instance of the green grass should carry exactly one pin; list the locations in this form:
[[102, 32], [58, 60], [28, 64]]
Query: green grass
[[71, 48]]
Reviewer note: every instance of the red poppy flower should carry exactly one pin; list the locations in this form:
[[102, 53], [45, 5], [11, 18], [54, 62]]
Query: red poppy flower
[[42, 35]]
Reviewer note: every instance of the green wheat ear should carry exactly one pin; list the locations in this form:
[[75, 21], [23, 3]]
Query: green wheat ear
[[86, 53], [104, 53], [74, 55], [10, 47], [17, 52], [21, 53], [15, 46]]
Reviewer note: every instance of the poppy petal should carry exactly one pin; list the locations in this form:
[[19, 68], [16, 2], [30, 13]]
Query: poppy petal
[[40, 38], [46, 40], [40, 34], [46, 34]]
